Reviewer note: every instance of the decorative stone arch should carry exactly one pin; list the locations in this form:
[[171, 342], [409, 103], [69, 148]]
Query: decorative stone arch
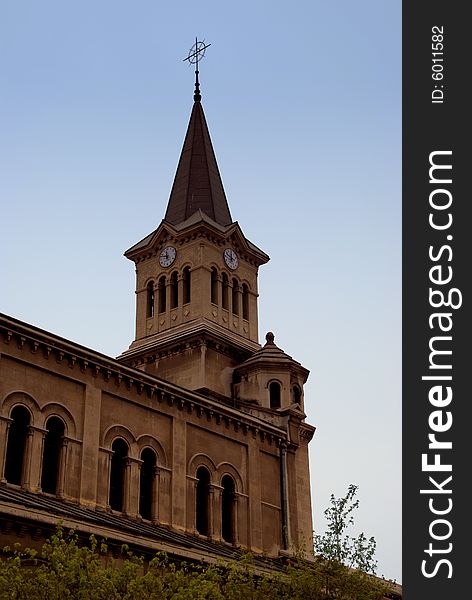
[[149, 280], [202, 460], [244, 281], [200, 516], [226, 468], [17, 398], [275, 397], [120, 431], [296, 393], [147, 441], [53, 409], [21, 442]]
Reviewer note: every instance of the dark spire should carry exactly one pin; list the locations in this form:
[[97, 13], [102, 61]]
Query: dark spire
[[197, 182]]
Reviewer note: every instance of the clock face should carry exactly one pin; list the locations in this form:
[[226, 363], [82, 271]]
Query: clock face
[[167, 256], [231, 258]]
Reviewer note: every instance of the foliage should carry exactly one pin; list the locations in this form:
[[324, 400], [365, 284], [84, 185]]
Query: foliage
[[336, 545], [64, 569]]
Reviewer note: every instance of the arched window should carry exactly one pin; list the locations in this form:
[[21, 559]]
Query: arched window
[[146, 483], [174, 290], [245, 302], [150, 300], [296, 394], [117, 474], [224, 291], [162, 294], [203, 501], [51, 455], [235, 298], [274, 394], [16, 445], [186, 282], [228, 509], [214, 286]]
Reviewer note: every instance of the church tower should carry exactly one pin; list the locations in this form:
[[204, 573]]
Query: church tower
[[196, 279], [194, 440]]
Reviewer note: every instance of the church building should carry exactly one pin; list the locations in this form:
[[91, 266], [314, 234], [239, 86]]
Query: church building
[[193, 440]]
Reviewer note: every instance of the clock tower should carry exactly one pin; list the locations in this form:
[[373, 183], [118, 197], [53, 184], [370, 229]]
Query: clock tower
[[196, 279]]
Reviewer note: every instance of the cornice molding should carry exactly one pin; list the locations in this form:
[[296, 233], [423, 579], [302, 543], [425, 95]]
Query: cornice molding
[[50, 347]]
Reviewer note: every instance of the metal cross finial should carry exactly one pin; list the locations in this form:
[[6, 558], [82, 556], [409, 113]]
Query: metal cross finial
[[195, 54]]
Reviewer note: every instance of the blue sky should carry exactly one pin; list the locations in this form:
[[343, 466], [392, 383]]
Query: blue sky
[[303, 103]]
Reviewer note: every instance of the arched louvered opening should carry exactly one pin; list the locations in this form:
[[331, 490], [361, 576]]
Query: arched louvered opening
[[53, 446], [296, 394], [228, 521], [235, 298], [150, 300], [203, 501], [174, 290], [146, 483], [117, 474], [214, 286], [186, 285], [16, 444], [162, 294], [274, 394], [245, 302], [224, 291]]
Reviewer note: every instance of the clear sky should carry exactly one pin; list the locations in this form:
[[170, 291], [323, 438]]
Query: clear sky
[[303, 105]]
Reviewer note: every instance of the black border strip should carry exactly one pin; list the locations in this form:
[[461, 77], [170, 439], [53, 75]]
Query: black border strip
[[436, 269]]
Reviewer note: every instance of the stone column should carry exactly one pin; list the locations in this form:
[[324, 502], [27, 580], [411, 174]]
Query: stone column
[[179, 469], [239, 302], [127, 477], [203, 349], [192, 509], [134, 483], [4, 429], [211, 512], [168, 288], [61, 479], [42, 437], [235, 519], [92, 475], [218, 290], [104, 470], [284, 499], [163, 499], [27, 459], [180, 288], [216, 494], [230, 299], [155, 495], [254, 500]]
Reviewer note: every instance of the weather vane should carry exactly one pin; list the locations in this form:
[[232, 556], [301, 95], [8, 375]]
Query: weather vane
[[195, 54]]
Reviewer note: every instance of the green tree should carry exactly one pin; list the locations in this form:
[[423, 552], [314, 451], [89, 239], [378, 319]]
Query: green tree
[[335, 544], [67, 568]]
